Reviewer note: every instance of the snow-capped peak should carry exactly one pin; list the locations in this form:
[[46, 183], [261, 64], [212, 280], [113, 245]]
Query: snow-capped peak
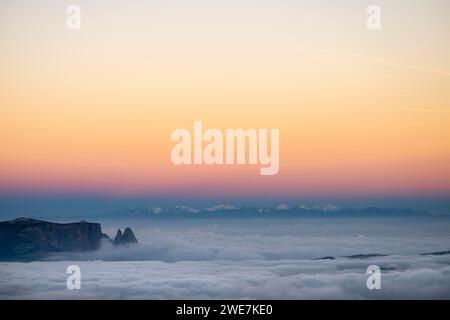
[[327, 207], [156, 210], [186, 209], [221, 207], [282, 206]]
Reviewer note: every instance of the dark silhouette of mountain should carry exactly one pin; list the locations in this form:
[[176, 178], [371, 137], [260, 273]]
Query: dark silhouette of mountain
[[28, 236], [125, 238], [437, 253], [377, 255], [118, 237], [326, 258], [365, 256], [24, 236]]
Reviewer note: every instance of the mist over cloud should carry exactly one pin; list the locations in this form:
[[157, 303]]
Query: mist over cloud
[[270, 239], [416, 277], [248, 259]]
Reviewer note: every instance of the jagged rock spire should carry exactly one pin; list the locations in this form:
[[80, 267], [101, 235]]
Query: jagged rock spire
[[126, 237]]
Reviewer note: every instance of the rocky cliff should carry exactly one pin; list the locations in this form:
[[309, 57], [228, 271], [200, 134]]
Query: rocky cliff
[[25, 236]]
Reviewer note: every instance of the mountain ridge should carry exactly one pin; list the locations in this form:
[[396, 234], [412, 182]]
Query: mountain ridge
[[282, 210]]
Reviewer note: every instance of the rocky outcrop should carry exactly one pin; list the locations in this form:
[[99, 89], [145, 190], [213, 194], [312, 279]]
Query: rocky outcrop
[[29, 236], [436, 253], [124, 238], [24, 236]]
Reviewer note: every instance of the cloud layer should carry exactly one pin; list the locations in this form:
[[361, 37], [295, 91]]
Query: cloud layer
[[248, 259], [412, 277]]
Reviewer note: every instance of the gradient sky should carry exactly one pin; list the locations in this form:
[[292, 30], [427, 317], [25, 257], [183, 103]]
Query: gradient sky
[[361, 113]]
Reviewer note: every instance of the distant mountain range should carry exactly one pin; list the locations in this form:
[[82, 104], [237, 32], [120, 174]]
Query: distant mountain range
[[282, 210]]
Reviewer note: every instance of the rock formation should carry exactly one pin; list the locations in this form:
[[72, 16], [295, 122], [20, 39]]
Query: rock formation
[[125, 238], [27, 236], [24, 236]]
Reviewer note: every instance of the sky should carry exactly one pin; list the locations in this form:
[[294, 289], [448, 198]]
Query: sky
[[362, 114]]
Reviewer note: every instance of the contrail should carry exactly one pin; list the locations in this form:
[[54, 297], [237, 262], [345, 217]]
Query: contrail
[[385, 62], [434, 110]]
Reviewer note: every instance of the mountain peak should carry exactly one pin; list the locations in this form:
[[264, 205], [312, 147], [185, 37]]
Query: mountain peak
[[124, 238], [327, 207], [186, 209], [221, 207]]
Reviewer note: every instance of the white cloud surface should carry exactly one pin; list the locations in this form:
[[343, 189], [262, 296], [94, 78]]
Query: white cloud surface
[[248, 259], [415, 277]]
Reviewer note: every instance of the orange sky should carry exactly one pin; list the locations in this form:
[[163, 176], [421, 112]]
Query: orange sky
[[360, 112]]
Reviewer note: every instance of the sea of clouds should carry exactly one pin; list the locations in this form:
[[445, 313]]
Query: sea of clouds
[[265, 259]]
